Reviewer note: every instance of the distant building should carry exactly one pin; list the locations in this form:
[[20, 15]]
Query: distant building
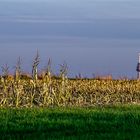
[[138, 68]]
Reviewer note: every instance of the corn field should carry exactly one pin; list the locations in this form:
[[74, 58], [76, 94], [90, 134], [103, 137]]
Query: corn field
[[48, 91]]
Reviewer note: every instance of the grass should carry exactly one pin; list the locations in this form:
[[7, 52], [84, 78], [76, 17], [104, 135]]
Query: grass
[[116, 122]]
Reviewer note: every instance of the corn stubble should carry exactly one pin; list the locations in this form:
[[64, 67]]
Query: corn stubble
[[50, 91]]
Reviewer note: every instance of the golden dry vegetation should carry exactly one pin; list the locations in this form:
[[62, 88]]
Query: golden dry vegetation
[[22, 90], [50, 91]]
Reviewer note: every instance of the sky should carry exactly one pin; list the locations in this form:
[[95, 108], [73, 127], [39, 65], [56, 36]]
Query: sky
[[81, 32], [107, 16], [81, 9]]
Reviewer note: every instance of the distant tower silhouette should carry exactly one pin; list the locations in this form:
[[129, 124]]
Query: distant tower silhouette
[[138, 67]]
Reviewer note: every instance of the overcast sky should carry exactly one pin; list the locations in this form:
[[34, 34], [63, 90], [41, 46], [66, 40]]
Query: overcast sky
[[72, 8], [92, 36], [73, 18]]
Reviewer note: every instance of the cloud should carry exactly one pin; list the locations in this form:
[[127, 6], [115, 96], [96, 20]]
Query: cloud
[[32, 19]]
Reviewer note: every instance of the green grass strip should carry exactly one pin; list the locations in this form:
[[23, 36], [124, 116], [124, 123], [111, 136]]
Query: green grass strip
[[99, 123]]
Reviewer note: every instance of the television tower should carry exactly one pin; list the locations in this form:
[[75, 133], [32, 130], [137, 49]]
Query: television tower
[[138, 68]]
